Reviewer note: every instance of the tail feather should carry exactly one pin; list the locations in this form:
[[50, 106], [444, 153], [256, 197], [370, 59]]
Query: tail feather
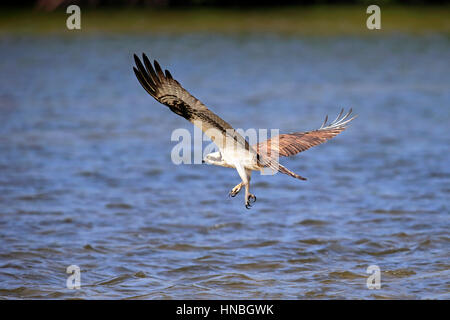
[[265, 162], [290, 173]]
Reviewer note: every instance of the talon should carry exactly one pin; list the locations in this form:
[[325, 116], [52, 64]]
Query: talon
[[252, 198], [248, 205], [233, 193]]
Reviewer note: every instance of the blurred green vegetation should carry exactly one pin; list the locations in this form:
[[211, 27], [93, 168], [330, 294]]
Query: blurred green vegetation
[[310, 20], [52, 4]]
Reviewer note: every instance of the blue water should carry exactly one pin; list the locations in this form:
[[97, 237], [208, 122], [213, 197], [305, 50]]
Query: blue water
[[86, 176]]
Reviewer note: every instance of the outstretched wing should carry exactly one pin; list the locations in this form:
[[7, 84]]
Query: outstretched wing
[[293, 143], [168, 91]]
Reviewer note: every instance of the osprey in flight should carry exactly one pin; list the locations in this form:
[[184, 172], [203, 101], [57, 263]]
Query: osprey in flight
[[234, 149]]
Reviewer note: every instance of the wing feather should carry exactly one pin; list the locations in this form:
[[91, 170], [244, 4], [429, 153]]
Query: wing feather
[[166, 90], [293, 143]]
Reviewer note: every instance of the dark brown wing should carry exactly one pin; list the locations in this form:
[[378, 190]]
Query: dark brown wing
[[168, 91], [293, 143]]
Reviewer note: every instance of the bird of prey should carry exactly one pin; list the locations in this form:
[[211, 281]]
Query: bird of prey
[[234, 149]]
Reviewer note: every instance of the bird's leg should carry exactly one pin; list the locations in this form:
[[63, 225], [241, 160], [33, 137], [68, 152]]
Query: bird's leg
[[236, 190], [249, 198], [245, 175]]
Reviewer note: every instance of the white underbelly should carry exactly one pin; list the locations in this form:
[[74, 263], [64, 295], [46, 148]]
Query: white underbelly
[[246, 159]]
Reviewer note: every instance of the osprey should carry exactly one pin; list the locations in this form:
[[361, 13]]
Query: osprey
[[234, 149]]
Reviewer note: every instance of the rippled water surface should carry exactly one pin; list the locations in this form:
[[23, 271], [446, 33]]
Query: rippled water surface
[[86, 176]]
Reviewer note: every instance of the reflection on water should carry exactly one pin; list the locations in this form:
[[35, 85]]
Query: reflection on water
[[86, 176]]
